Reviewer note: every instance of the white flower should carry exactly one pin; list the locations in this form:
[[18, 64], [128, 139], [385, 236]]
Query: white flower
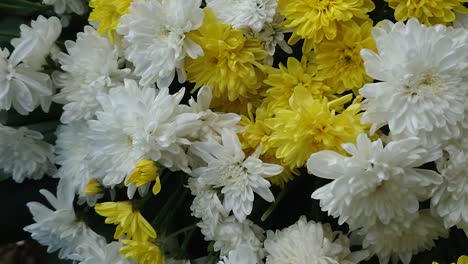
[[239, 177], [376, 182], [176, 261], [244, 13], [90, 68], [24, 154], [213, 123], [451, 199], [155, 40], [59, 229], [67, 6], [38, 40], [309, 243], [423, 74], [21, 86], [104, 253], [240, 255], [139, 123], [461, 21], [401, 240]]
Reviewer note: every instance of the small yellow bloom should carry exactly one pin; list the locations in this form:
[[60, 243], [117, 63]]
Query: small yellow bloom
[[107, 13], [314, 20], [230, 65], [461, 260], [429, 12], [129, 221], [93, 187], [145, 172], [144, 252]]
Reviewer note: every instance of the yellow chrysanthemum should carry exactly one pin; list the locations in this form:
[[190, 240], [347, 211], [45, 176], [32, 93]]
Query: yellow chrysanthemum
[[311, 125], [107, 13], [144, 252], [93, 187], [284, 80], [461, 260], [317, 19], [230, 65], [129, 221], [239, 106], [145, 172], [339, 60], [429, 12]]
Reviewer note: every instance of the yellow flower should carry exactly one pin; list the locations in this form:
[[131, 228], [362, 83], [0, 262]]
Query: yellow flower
[[339, 60], [314, 20], [144, 252], [128, 220], [93, 187], [461, 260], [284, 80], [429, 12], [145, 172], [107, 13], [231, 62], [312, 125]]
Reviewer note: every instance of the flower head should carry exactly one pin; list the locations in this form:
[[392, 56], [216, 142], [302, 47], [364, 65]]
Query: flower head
[[144, 173], [107, 14], [145, 252]]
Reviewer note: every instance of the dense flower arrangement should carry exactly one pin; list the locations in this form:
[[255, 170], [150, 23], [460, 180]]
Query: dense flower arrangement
[[187, 124]]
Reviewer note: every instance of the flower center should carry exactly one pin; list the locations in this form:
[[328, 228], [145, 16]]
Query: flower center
[[234, 171]]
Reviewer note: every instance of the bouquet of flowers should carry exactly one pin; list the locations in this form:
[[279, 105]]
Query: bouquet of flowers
[[241, 131]]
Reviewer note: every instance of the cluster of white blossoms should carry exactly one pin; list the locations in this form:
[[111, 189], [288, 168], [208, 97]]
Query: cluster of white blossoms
[[421, 96], [128, 129]]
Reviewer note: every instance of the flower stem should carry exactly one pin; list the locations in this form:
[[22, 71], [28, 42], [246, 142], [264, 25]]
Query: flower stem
[[28, 4], [180, 231], [273, 206], [7, 34]]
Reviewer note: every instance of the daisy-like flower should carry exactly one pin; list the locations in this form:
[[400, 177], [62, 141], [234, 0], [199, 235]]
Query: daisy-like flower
[[339, 60], [59, 229], [144, 252], [24, 154], [107, 14], [311, 243], [129, 221], [402, 239], [244, 13], [145, 172], [429, 12], [104, 253], [38, 40], [22, 86], [139, 123], [90, 68], [423, 74], [237, 176], [156, 41], [67, 6], [228, 66], [314, 20], [316, 127], [242, 254], [376, 183]]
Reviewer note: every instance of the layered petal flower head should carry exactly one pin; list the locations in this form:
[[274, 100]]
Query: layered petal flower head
[[423, 74], [238, 177], [429, 12], [144, 252], [155, 38], [90, 68], [377, 183], [307, 242], [244, 13], [59, 229], [67, 6], [139, 123], [24, 154], [105, 253], [107, 14]]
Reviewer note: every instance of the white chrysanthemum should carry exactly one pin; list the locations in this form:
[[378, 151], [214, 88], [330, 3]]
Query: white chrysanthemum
[[423, 74], [238, 177], [59, 229], [240, 255], [461, 21], [309, 243], [451, 199], [244, 13], [38, 40], [154, 36], [139, 123], [403, 239], [67, 6], [213, 123], [90, 68], [24, 154], [376, 182], [21, 86], [104, 253]]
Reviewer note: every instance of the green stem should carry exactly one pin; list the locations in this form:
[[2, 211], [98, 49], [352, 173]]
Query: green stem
[[10, 6], [273, 206], [28, 4], [9, 35], [180, 231]]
